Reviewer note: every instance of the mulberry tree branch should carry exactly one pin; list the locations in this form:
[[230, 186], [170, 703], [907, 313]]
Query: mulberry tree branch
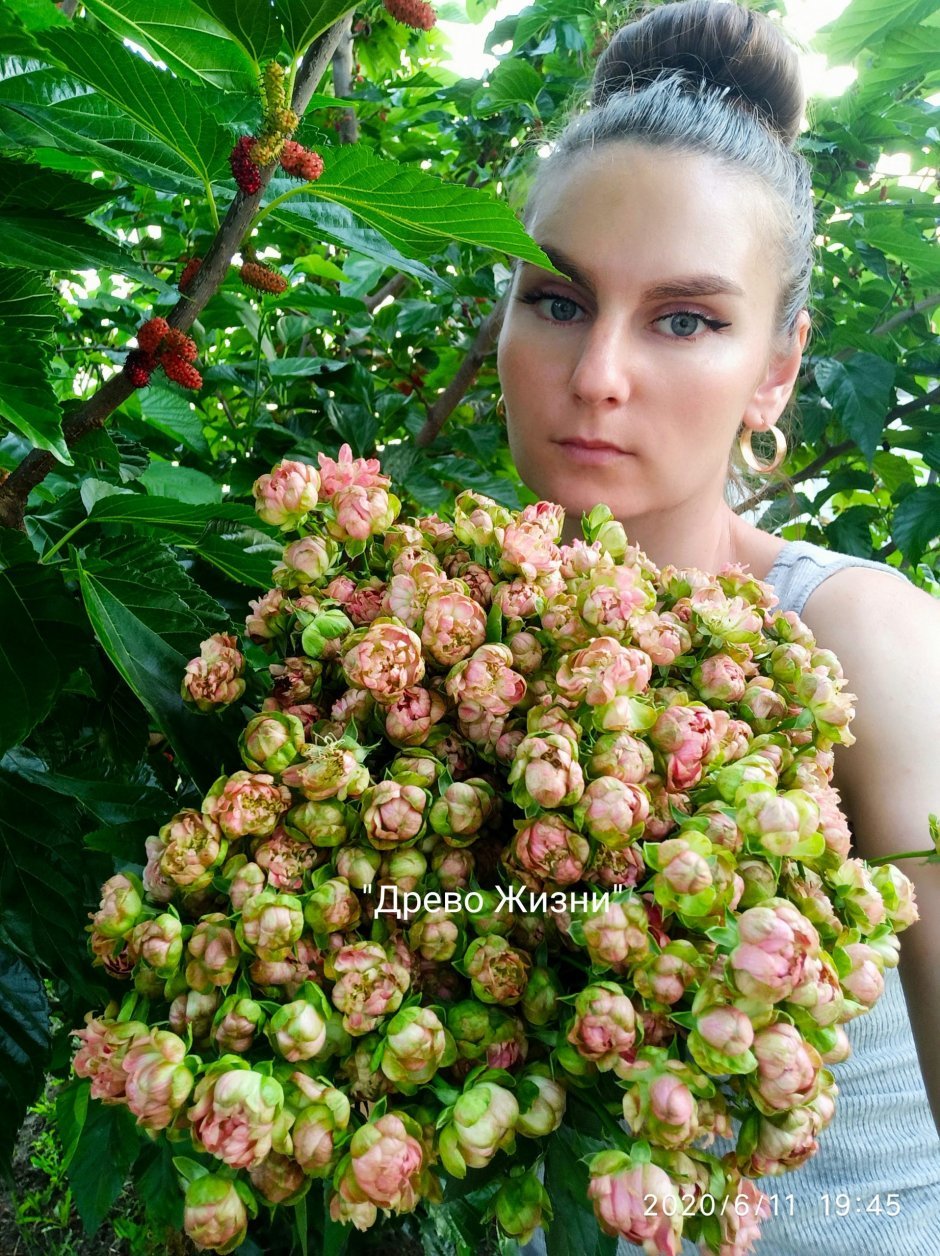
[[94, 412], [466, 373]]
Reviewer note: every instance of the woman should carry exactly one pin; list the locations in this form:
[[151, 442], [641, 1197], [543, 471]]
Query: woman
[[683, 221]]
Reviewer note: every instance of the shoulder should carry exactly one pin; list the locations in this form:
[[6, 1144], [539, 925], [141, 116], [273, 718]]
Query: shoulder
[[884, 631], [868, 610]]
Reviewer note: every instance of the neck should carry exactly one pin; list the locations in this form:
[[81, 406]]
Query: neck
[[692, 534]]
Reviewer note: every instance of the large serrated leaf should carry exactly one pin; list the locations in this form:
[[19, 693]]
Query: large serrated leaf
[[859, 391], [254, 26], [153, 669], [146, 577], [248, 561], [170, 413], [27, 304], [184, 37], [917, 521], [47, 241], [511, 83], [177, 519], [30, 676], [107, 1148], [30, 188], [419, 213], [162, 104], [41, 108], [334, 224], [865, 23], [25, 1041], [304, 20], [27, 400], [48, 881]]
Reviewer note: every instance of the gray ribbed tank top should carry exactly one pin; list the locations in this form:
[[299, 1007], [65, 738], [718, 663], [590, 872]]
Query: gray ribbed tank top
[[882, 1142]]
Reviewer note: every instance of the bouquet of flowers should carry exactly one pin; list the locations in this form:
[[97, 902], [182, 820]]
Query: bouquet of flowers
[[530, 842]]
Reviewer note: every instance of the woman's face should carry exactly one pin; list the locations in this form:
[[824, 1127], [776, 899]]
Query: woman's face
[[627, 383]]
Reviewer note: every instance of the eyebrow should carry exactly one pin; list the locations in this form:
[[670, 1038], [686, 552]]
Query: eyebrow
[[706, 285]]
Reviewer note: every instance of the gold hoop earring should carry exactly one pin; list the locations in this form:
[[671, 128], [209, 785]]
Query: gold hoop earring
[[747, 453], [500, 407]]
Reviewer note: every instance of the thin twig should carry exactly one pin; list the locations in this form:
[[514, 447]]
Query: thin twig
[[389, 289], [450, 398], [94, 412]]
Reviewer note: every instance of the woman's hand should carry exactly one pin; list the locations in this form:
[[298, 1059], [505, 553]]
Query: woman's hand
[[887, 637]]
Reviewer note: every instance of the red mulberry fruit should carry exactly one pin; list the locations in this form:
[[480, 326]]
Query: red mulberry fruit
[[178, 344], [263, 278], [139, 366], [416, 13], [150, 334], [181, 371], [300, 162], [190, 271], [244, 171]]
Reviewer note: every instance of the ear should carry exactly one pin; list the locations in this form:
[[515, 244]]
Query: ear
[[773, 392]]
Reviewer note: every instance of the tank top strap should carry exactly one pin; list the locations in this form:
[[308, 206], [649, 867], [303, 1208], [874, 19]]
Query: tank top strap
[[801, 567]]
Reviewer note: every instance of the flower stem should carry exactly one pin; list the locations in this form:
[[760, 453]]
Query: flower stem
[[904, 854]]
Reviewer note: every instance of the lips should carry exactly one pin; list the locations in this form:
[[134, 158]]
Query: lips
[[576, 442]]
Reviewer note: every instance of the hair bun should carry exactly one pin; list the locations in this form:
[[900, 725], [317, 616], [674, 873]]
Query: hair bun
[[724, 43]]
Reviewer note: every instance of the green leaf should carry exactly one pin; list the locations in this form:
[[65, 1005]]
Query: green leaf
[[47, 241], [250, 560], [153, 669], [253, 26], [28, 304], [162, 104], [917, 521], [850, 531], [71, 1112], [42, 108], [334, 224], [865, 23], [417, 212], [169, 412], [145, 575], [35, 190], [107, 1148], [31, 599], [513, 82], [111, 802], [304, 20], [574, 1230], [157, 1185], [183, 484], [859, 391], [180, 519], [48, 882], [25, 1044], [27, 400], [182, 35]]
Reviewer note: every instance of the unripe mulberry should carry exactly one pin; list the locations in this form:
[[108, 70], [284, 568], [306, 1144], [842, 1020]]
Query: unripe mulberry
[[180, 371], [415, 13], [273, 86], [244, 171], [139, 366], [190, 271], [285, 120], [263, 278], [178, 344], [300, 162], [267, 148], [150, 334]]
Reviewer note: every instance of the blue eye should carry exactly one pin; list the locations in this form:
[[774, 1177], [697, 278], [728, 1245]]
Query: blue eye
[[684, 324], [562, 309]]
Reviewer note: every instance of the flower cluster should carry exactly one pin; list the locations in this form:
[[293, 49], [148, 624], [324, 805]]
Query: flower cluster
[[514, 818]]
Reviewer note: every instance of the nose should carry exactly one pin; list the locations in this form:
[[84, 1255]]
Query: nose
[[603, 369]]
